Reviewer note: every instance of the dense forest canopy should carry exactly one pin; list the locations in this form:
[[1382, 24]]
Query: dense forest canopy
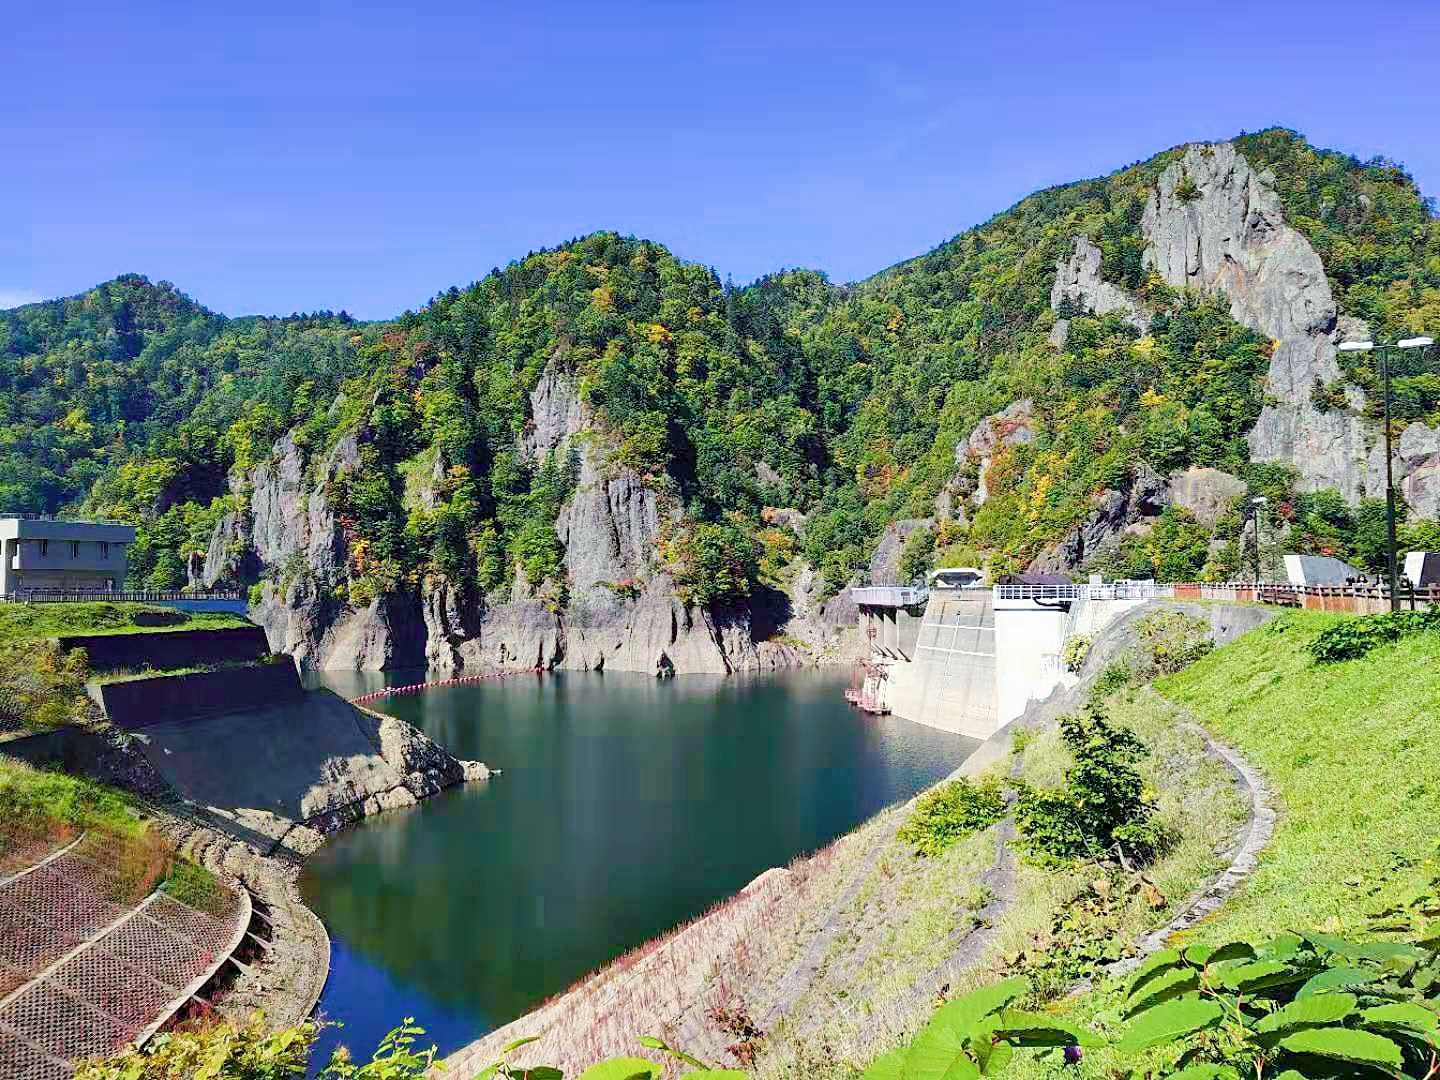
[[843, 403]]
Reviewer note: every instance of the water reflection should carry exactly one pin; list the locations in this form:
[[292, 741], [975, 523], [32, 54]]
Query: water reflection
[[627, 805]]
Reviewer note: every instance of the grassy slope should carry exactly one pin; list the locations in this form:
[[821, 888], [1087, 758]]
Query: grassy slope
[[1348, 751], [26, 621]]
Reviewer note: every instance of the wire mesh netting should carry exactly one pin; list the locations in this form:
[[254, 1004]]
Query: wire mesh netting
[[80, 975], [19, 1059]]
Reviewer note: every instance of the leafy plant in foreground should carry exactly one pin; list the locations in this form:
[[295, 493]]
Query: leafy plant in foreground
[[975, 1035], [1297, 1006]]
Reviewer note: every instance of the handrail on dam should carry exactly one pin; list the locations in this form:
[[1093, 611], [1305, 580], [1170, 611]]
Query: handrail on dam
[[896, 596], [1110, 590]]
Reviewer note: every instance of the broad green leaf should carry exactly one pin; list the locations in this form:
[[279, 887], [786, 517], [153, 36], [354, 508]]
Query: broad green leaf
[[509, 1047], [660, 1044], [1405, 1014], [992, 1056], [1336, 978], [889, 1066], [1260, 975], [1280, 947], [1168, 1021], [1205, 1072], [1345, 1044], [1154, 965], [961, 1015], [938, 1053], [1205, 955], [1037, 1029], [1171, 984], [623, 1068], [1303, 1011], [543, 1072]]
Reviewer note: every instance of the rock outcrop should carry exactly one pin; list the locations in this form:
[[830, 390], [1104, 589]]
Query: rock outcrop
[[1112, 514], [1207, 494], [1078, 280], [621, 611], [1214, 224], [1013, 425]]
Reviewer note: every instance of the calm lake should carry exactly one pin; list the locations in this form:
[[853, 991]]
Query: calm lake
[[627, 805]]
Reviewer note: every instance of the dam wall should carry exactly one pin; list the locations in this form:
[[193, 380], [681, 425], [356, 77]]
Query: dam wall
[[982, 656]]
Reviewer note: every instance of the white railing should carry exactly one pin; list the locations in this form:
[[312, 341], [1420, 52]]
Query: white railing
[[896, 596], [1110, 590]]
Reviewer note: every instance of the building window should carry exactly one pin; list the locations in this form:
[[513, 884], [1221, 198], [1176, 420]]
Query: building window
[[74, 549], [104, 549], [44, 548]]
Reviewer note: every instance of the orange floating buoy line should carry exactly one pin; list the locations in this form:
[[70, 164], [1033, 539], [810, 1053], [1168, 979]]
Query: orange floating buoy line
[[415, 688]]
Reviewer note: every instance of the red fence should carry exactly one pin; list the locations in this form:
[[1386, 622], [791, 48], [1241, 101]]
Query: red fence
[[1361, 599]]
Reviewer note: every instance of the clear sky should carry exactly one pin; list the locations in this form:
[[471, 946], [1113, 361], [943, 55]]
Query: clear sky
[[280, 157]]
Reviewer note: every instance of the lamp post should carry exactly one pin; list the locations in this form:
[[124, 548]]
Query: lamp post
[[1255, 504], [1390, 543]]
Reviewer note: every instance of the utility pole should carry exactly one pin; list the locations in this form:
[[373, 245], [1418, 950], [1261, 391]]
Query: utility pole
[[1255, 506], [1392, 557]]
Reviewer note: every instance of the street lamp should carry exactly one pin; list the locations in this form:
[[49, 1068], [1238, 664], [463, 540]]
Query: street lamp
[[1255, 504], [1367, 346]]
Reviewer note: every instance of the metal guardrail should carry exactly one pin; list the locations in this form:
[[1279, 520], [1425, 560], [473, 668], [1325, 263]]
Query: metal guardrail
[[1113, 590], [1357, 598], [63, 596], [896, 596]]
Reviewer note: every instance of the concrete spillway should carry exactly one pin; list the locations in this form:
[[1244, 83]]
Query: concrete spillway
[[970, 660]]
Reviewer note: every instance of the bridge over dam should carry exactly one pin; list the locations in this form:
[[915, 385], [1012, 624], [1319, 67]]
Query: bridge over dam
[[968, 659]]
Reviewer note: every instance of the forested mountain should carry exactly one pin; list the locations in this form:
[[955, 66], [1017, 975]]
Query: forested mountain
[[600, 439]]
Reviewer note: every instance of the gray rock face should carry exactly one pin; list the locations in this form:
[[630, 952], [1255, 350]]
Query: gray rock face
[[622, 611], [1113, 515], [1206, 493], [1078, 279], [885, 563], [1215, 225], [1013, 425]]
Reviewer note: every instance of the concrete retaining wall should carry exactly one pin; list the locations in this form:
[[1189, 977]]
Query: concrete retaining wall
[[170, 648], [139, 703]]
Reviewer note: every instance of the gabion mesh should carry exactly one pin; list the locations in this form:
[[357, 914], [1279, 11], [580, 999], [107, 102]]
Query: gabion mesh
[[63, 1026], [128, 964], [20, 1061], [113, 986], [207, 932], [29, 945]]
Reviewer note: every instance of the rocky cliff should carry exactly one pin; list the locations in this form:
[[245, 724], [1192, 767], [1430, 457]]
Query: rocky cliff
[[621, 611]]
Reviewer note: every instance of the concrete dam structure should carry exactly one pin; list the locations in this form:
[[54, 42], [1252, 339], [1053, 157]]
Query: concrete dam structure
[[968, 659]]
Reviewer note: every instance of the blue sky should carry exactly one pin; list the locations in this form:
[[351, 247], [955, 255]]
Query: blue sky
[[280, 157]]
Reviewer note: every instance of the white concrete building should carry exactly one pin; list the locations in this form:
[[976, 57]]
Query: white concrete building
[[42, 554]]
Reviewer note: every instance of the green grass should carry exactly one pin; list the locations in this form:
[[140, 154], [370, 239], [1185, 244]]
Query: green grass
[[28, 621], [1349, 751], [41, 809]]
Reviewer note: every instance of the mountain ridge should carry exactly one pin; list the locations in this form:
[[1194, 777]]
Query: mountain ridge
[[600, 453]]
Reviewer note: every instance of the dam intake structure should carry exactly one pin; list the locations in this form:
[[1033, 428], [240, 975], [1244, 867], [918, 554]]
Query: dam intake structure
[[968, 659]]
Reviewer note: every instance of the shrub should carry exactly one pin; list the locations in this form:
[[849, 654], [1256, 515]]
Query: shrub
[[1103, 806], [951, 812], [1167, 641], [1074, 651], [1353, 638], [714, 563]]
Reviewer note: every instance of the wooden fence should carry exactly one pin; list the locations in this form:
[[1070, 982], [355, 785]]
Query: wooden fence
[[1359, 599]]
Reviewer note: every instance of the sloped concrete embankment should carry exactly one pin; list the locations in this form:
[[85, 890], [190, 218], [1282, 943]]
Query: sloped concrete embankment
[[767, 949], [284, 776]]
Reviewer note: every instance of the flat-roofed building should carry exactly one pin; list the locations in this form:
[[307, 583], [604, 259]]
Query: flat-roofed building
[[45, 555]]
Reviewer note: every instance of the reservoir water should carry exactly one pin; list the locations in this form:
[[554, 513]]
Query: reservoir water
[[626, 805]]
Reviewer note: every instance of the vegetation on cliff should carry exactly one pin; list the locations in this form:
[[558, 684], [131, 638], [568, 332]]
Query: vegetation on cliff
[[844, 403]]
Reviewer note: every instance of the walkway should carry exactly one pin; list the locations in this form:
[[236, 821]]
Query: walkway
[[81, 975]]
